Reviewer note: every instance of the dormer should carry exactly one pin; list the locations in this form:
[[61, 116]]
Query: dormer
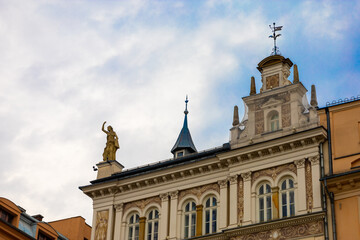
[[275, 71]]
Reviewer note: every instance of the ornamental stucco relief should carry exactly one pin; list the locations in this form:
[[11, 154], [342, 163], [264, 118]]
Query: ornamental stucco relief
[[142, 203], [259, 122], [102, 219], [199, 191], [308, 186], [273, 172], [286, 115], [290, 232], [240, 202]]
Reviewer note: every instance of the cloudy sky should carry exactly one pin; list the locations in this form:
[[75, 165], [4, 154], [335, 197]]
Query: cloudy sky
[[68, 66]]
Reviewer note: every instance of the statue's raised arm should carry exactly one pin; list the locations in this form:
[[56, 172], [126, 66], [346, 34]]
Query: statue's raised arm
[[103, 129]]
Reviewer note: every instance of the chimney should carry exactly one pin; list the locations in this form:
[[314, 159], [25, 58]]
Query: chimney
[[38, 217]]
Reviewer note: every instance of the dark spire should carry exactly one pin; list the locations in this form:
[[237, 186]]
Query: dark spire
[[184, 141]]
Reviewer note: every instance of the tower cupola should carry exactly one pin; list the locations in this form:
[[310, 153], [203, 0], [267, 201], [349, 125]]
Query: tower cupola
[[184, 143]]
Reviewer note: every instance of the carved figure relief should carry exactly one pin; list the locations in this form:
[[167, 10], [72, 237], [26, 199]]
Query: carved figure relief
[[273, 172], [272, 81], [142, 203], [240, 202], [112, 143], [259, 122], [102, 218], [198, 191], [308, 186], [290, 232], [286, 115]]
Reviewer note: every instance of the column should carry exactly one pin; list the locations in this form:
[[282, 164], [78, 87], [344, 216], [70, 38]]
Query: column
[[247, 198], [164, 212], [300, 204], [118, 219], [142, 221], [173, 216], [275, 202], [199, 218], [93, 224], [223, 204], [233, 199], [315, 172]]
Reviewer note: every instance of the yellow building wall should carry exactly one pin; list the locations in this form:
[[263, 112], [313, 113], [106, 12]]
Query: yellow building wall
[[345, 134], [73, 228], [347, 218]]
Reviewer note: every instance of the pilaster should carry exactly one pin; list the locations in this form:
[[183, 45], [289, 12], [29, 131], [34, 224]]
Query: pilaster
[[173, 214], [301, 201], [142, 221], [315, 171], [164, 216], [118, 218], [233, 212], [223, 204], [247, 197]]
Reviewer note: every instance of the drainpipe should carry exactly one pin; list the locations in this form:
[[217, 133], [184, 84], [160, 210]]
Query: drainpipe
[[333, 214], [329, 140], [323, 194]]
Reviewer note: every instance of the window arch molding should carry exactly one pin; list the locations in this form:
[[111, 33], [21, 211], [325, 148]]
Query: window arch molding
[[286, 174], [208, 194], [257, 182], [151, 206], [187, 198], [130, 211]]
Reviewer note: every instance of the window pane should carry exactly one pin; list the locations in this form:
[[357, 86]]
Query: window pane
[[207, 227], [261, 203], [207, 203], [156, 230], [187, 207], [268, 188], [193, 224], [261, 190], [283, 185], [186, 221], [268, 206], [150, 229], [193, 206], [130, 233], [137, 218], [291, 197], [214, 201], [207, 216], [156, 214], [291, 183], [261, 215], [150, 215], [214, 214], [137, 232]]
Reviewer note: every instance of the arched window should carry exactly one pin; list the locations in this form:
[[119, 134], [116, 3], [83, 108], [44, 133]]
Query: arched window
[[273, 121], [189, 220], [264, 202], [153, 225], [133, 227], [210, 213], [287, 198]]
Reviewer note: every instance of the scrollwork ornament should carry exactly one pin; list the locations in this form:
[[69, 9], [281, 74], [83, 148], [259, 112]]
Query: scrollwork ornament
[[246, 176], [300, 163], [314, 160], [233, 179], [164, 196], [119, 207], [174, 194], [223, 183]]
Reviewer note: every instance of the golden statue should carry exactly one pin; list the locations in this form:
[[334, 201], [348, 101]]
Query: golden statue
[[112, 143]]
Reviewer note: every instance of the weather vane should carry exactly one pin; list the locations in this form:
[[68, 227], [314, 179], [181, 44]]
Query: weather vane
[[275, 50]]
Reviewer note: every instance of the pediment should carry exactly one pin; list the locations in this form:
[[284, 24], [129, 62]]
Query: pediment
[[272, 102]]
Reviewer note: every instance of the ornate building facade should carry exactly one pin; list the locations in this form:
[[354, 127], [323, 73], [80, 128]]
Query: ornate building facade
[[262, 184]]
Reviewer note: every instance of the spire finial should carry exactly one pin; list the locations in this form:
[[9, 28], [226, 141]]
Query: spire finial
[[275, 50], [296, 74], [252, 86], [186, 102], [313, 101]]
